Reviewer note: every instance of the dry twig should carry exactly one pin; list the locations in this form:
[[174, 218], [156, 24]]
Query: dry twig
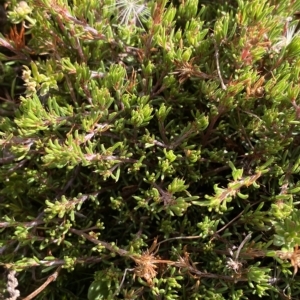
[[44, 285], [218, 65]]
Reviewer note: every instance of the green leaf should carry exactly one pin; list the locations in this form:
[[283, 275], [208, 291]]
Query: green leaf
[[98, 290]]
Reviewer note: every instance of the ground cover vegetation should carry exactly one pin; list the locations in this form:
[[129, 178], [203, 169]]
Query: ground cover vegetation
[[149, 150]]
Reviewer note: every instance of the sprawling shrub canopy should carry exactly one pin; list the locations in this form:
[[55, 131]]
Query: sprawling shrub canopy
[[149, 150]]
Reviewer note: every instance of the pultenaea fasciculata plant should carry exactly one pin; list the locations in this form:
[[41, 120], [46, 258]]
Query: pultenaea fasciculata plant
[[149, 150]]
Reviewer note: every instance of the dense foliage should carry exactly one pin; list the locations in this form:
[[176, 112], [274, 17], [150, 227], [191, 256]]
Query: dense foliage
[[149, 150]]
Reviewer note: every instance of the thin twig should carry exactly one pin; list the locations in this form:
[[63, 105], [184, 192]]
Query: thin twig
[[33, 223], [218, 65], [235, 218], [108, 246], [51, 278], [123, 279], [180, 238], [246, 239]]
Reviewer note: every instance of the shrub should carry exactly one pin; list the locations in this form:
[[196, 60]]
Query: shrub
[[150, 150]]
